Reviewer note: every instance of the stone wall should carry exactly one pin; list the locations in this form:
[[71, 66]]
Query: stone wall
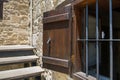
[[21, 18], [40, 6], [14, 28]]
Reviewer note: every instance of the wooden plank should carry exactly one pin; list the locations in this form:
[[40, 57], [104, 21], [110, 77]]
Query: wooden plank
[[83, 3], [20, 73], [56, 61], [54, 12], [11, 60], [82, 76], [56, 68], [15, 47], [56, 18], [57, 53]]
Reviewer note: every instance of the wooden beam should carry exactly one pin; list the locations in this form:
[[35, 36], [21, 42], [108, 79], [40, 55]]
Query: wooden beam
[[83, 3], [56, 18], [56, 61]]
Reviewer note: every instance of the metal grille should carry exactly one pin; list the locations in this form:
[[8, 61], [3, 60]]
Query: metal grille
[[97, 40]]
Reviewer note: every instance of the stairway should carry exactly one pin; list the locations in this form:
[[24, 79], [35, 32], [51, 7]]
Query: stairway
[[18, 54]]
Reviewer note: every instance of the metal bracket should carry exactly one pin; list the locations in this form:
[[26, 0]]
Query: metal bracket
[[49, 40]]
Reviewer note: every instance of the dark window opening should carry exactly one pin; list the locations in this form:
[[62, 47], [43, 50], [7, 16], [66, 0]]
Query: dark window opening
[[1, 10], [99, 34]]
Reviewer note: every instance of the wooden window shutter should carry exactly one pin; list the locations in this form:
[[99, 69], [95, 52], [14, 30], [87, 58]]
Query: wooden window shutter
[[57, 40]]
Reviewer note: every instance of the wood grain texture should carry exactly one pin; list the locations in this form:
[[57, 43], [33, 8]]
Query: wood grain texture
[[82, 3], [21, 59], [58, 30], [56, 61], [56, 18], [20, 73]]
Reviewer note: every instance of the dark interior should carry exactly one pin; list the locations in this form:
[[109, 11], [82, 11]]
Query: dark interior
[[104, 51]]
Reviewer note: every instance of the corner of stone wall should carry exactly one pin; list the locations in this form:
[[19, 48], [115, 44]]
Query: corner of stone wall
[[14, 27], [40, 6]]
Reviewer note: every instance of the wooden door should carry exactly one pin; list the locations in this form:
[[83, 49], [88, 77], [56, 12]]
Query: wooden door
[[57, 39]]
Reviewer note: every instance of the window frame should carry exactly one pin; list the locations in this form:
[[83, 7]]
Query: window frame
[[86, 40]]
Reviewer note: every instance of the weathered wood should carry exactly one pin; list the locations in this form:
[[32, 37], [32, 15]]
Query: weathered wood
[[56, 61], [77, 30], [15, 47], [56, 68], [57, 11], [82, 76], [56, 18], [20, 73], [82, 3], [57, 53], [21, 59]]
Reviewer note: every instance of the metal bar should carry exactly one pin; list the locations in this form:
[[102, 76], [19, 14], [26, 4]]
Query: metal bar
[[87, 39], [100, 40], [97, 42], [111, 43]]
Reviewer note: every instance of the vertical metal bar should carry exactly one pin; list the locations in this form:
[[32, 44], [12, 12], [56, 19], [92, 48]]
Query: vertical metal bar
[[87, 38], [111, 43], [97, 37]]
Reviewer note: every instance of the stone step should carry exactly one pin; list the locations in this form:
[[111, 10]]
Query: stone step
[[16, 47], [20, 59], [20, 73]]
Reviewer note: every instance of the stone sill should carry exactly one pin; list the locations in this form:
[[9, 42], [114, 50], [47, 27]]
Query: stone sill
[[82, 76]]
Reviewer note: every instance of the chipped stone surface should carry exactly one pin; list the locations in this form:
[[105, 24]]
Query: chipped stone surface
[[14, 28], [40, 6]]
